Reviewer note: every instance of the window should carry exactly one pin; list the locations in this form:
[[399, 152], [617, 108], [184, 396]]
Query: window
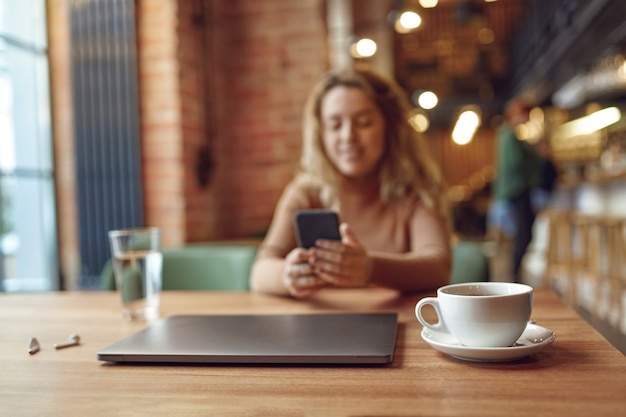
[[28, 250]]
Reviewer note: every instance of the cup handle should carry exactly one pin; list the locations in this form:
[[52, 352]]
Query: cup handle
[[432, 301]]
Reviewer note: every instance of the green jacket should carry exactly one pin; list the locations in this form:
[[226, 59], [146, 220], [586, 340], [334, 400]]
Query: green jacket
[[517, 165]]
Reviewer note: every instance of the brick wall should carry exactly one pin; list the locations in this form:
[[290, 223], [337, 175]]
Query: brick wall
[[266, 57], [161, 118], [230, 78], [193, 49]]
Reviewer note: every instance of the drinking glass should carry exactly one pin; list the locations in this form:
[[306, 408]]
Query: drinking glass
[[137, 264]]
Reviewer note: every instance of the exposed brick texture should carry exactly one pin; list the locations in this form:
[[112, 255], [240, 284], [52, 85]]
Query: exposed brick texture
[[263, 58], [231, 78]]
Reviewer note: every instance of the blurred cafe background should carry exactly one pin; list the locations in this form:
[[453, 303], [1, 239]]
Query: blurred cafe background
[[185, 115]]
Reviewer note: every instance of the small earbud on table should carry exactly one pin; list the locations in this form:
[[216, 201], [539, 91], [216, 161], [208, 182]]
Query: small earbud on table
[[73, 340], [33, 346]]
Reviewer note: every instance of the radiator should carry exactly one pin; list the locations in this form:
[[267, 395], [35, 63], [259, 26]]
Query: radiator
[[106, 124]]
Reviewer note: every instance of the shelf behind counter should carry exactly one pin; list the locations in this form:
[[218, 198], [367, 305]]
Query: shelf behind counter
[[602, 193]]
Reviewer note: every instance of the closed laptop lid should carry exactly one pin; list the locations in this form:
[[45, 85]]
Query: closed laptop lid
[[355, 338]]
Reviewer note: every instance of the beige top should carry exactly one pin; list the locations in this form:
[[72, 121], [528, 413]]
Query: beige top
[[408, 242]]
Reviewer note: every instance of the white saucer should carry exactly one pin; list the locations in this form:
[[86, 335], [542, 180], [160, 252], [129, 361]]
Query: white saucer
[[531, 341]]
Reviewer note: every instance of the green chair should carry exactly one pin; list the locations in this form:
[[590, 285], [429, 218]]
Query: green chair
[[222, 267], [212, 267], [469, 263]]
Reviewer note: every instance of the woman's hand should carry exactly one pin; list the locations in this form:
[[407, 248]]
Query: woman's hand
[[343, 264], [298, 275]]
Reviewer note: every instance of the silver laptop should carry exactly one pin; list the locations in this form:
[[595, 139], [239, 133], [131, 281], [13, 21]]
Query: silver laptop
[[355, 338]]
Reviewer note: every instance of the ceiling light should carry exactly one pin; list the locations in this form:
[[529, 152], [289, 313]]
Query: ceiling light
[[590, 123], [536, 113], [363, 48], [466, 127], [428, 4], [419, 122], [533, 130], [427, 100], [407, 22]]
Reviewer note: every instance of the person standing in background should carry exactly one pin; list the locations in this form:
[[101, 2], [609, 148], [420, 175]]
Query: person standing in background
[[548, 173], [517, 165]]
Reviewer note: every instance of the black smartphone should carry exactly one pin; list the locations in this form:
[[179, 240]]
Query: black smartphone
[[316, 224]]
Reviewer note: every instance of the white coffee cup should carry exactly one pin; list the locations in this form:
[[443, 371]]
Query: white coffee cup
[[480, 314]]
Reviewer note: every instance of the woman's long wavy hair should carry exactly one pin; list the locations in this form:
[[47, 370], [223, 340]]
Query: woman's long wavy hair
[[405, 169]]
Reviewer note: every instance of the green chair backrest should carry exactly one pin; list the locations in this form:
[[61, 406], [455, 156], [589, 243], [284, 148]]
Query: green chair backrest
[[222, 267], [212, 267], [208, 267], [469, 263]]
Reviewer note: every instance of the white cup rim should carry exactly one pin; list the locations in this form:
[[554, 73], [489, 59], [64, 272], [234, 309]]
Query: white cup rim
[[514, 289]]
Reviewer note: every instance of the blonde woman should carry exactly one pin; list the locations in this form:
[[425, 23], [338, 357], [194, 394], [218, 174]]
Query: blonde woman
[[361, 158]]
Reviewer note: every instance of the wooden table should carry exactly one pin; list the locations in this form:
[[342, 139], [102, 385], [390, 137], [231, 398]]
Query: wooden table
[[580, 374]]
